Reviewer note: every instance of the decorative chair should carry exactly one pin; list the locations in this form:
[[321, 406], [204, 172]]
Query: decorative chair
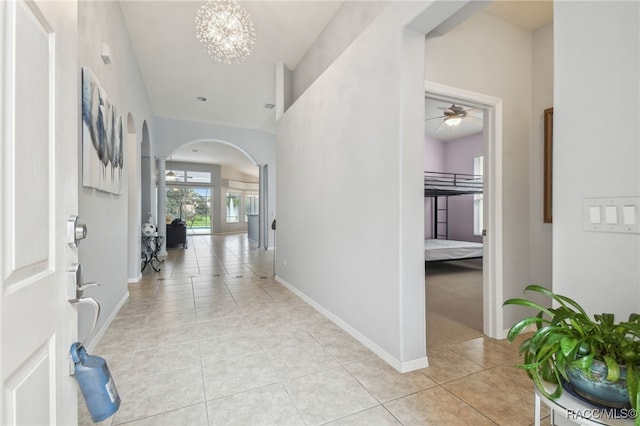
[[177, 233]]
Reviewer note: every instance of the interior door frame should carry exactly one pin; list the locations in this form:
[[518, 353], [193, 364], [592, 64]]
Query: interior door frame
[[492, 276]]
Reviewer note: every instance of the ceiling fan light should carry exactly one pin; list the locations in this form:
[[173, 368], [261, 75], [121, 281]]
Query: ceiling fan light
[[453, 121]]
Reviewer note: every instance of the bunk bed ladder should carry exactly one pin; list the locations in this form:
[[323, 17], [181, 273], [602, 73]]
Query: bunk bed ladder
[[440, 222]]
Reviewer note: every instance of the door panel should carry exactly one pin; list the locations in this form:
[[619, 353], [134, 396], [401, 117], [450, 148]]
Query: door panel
[[28, 171], [28, 388], [38, 160], [32, 142]]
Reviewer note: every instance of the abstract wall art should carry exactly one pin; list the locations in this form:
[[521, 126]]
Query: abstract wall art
[[102, 138]]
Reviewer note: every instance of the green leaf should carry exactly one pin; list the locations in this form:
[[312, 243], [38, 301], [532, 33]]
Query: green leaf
[[521, 325], [632, 385], [569, 345], [528, 304], [584, 364], [538, 382], [561, 366], [562, 300], [577, 326], [613, 369], [547, 371], [606, 319]]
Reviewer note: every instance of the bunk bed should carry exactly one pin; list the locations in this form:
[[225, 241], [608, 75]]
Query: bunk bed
[[440, 186]]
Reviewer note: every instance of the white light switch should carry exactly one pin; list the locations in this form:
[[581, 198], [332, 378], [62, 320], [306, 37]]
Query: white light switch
[[594, 214], [611, 215], [629, 215]]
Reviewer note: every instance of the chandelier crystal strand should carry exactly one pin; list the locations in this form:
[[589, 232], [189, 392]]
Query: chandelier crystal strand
[[226, 29]]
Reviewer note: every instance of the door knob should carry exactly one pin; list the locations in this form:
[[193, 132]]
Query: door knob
[[76, 284], [76, 231], [96, 314], [75, 293]]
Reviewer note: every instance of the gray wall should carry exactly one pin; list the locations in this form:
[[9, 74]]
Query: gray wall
[[596, 150], [540, 233], [104, 252], [349, 21], [349, 180]]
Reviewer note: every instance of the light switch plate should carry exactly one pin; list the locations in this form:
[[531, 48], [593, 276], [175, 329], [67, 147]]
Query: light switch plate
[[611, 214]]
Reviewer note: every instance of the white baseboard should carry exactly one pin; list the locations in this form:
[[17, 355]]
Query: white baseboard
[[401, 366], [135, 280], [93, 342]]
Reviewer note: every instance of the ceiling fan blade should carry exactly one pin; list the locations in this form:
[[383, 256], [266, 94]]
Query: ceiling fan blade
[[471, 116], [434, 118], [440, 127]]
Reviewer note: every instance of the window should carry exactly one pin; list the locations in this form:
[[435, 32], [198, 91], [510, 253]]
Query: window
[[478, 199], [250, 204], [232, 204], [191, 204], [188, 176], [198, 177]]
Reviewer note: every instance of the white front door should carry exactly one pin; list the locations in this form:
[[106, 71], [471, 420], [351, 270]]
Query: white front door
[[39, 122]]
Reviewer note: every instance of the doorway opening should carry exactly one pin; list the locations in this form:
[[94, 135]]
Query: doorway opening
[[478, 294], [217, 188], [453, 201]]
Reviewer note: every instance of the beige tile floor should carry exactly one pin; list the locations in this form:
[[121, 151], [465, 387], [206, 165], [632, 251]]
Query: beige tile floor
[[213, 339]]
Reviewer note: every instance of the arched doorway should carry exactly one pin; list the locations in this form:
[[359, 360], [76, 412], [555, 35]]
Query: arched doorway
[[215, 187]]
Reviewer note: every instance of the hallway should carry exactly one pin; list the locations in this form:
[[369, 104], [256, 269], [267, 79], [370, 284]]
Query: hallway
[[213, 339]]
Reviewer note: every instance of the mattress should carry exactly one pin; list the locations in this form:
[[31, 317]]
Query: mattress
[[450, 250]]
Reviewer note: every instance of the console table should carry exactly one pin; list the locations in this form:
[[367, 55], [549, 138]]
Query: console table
[[580, 412], [151, 245]]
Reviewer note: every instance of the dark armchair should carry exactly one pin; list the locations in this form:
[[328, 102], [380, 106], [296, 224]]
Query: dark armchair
[[177, 233]]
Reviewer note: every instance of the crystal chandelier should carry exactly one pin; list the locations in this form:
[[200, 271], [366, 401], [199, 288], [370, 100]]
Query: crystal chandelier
[[226, 29]]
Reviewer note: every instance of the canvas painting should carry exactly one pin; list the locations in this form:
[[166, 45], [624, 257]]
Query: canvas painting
[[102, 138]]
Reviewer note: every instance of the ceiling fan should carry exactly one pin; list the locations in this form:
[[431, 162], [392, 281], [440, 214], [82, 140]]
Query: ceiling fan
[[453, 115]]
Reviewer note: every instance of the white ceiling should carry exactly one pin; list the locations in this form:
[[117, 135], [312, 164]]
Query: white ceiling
[[177, 70]]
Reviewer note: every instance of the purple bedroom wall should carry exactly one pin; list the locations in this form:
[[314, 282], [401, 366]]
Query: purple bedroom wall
[[453, 157], [458, 158], [434, 152]]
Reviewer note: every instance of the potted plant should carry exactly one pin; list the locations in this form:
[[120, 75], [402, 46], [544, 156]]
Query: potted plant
[[568, 345]]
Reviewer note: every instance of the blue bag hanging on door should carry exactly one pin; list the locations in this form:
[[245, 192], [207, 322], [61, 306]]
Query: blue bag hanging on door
[[97, 386]]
